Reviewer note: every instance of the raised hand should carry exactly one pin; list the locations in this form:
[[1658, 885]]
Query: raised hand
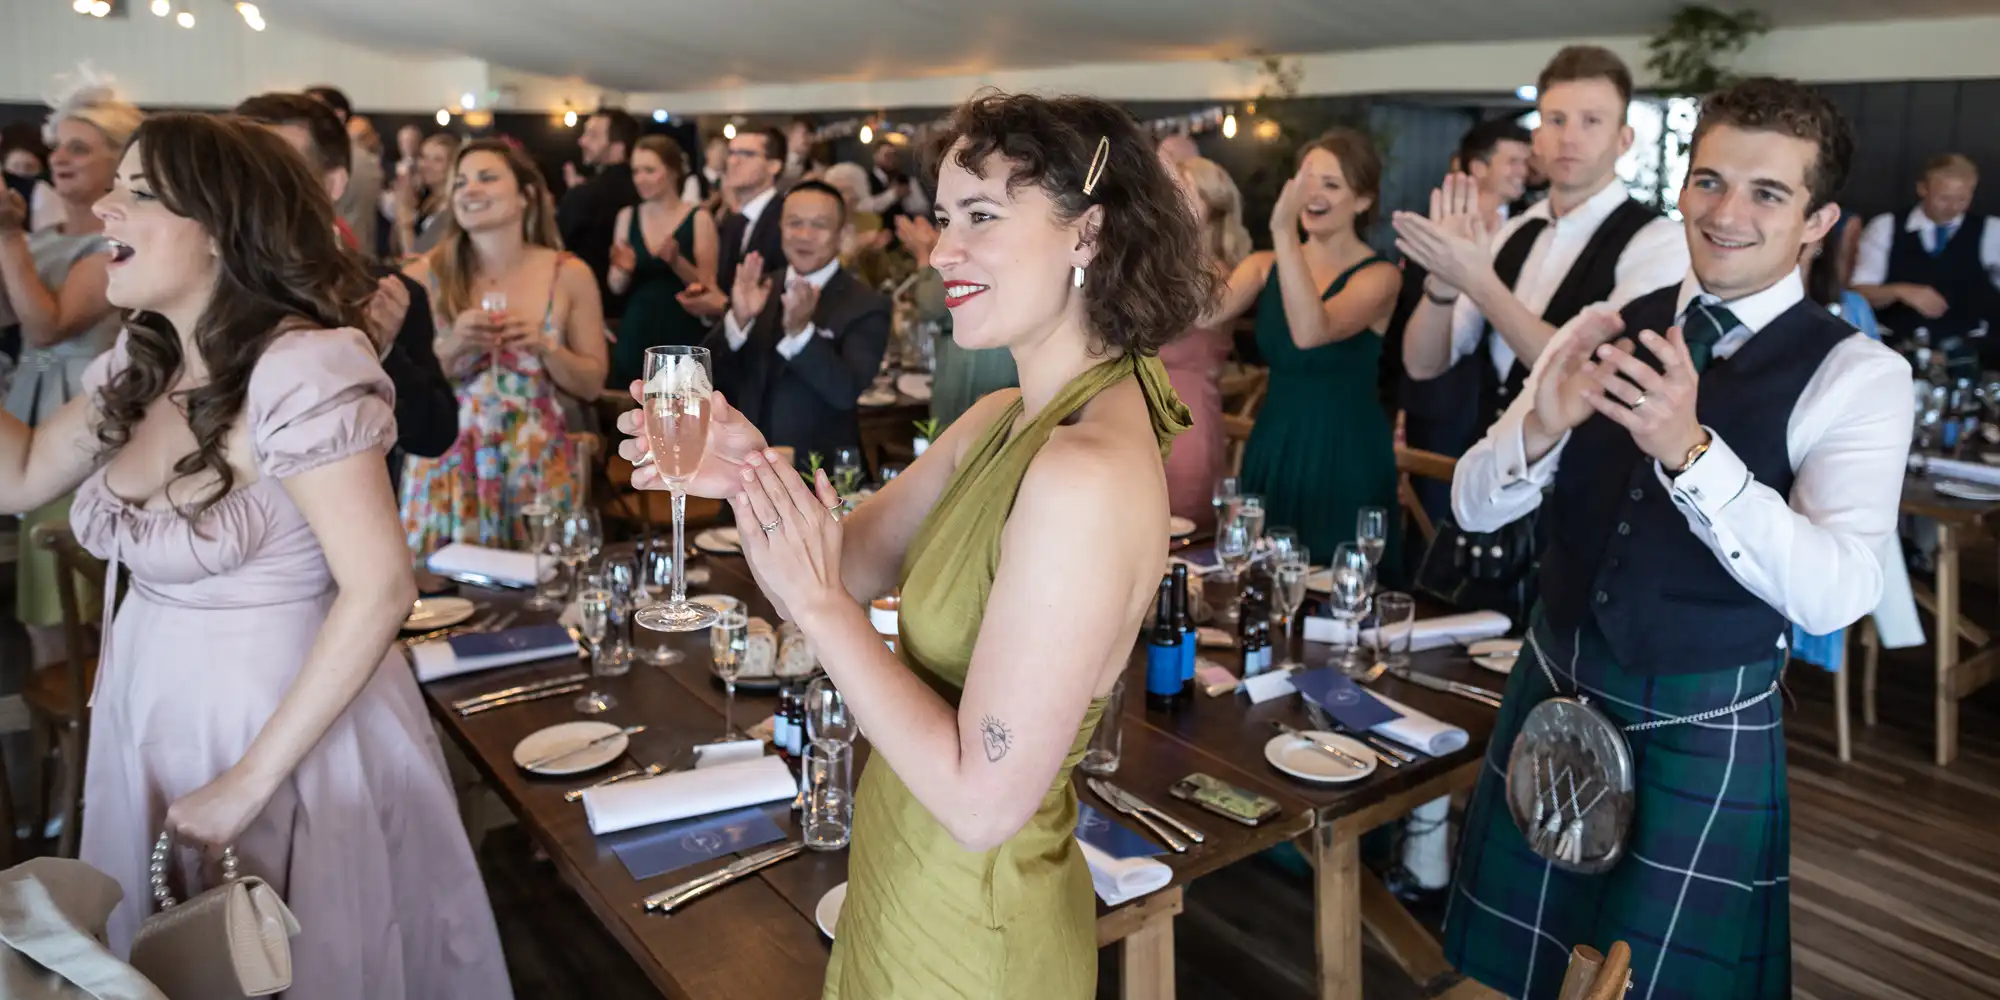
[[1656, 405], [752, 290], [386, 310], [13, 211], [797, 561], [624, 258], [800, 299], [1925, 300], [1290, 205], [731, 438], [1455, 241], [920, 235], [1569, 375]]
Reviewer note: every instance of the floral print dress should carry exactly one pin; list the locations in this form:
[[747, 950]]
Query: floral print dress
[[513, 448]]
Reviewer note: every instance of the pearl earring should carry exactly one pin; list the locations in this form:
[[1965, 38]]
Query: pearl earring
[[1076, 276]]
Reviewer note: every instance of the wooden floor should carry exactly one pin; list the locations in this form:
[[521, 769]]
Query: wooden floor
[[1895, 874]]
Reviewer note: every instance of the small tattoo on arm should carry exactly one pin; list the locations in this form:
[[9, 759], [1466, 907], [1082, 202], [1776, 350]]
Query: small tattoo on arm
[[995, 735]]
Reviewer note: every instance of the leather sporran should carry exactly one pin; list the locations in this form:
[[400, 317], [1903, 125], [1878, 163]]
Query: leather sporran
[[1482, 570], [232, 941]]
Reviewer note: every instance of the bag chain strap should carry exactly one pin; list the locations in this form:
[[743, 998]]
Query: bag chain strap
[[1714, 713], [158, 868]]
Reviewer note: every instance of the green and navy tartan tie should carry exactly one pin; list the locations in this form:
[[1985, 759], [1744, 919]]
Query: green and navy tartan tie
[[1704, 327]]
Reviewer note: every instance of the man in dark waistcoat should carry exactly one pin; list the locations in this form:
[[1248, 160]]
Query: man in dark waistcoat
[[1937, 266], [1719, 458]]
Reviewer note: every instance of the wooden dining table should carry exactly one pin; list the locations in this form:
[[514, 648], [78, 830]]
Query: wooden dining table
[[758, 937], [1959, 521]]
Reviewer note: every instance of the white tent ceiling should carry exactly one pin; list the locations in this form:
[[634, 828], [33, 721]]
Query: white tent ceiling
[[689, 45]]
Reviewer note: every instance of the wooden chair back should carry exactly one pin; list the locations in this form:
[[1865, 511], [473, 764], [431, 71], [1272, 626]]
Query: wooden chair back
[[1243, 390], [1423, 464], [1235, 435], [76, 571], [1595, 975]]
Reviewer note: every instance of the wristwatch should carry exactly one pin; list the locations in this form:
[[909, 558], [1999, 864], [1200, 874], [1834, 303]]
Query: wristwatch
[[1435, 297], [1694, 454]]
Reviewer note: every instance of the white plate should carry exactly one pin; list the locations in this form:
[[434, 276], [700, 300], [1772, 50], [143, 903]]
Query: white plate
[[723, 541], [827, 913], [1497, 655], [438, 612], [563, 736], [914, 385], [1180, 527], [1300, 759], [1967, 491]]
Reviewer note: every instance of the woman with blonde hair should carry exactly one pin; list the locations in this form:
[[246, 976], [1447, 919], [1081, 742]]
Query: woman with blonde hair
[[422, 196], [52, 283], [508, 363], [1194, 360]]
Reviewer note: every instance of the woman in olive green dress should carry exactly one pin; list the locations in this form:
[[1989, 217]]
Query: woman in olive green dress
[[661, 246], [1322, 448], [1028, 542]]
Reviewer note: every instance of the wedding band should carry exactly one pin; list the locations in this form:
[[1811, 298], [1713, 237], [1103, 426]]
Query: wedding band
[[773, 526], [1641, 401]]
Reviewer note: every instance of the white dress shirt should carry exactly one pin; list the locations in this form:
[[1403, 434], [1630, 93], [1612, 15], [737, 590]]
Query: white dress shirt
[[1871, 259], [1656, 257], [789, 345], [754, 210], [691, 188], [1817, 560]]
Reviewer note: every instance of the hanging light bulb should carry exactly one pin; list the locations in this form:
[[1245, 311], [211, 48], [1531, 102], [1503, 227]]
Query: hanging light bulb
[[729, 130], [660, 115], [443, 117], [468, 100], [100, 9], [82, 6], [184, 19], [1229, 126], [867, 135], [162, 8]]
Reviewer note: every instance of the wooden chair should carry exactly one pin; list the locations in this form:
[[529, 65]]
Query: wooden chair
[[57, 695], [1235, 436], [1243, 390], [1594, 975], [1427, 465]]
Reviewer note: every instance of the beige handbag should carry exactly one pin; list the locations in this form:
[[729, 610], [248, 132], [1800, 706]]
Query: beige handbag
[[232, 941]]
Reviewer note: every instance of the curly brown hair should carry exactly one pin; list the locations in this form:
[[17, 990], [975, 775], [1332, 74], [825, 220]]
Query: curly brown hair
[[454, 261], [1150, 280], [1787, 107], [281, 267]]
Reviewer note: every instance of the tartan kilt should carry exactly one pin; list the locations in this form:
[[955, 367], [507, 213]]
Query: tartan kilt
[[1703, 894]]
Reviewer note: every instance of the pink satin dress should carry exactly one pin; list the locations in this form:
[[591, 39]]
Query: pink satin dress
[[1194, 363]]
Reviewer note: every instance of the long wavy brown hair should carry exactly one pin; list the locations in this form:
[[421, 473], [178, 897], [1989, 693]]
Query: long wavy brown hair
[[280, 267], [454, 260]]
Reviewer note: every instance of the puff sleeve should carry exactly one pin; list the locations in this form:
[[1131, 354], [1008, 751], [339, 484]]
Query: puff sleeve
[[318, 396]]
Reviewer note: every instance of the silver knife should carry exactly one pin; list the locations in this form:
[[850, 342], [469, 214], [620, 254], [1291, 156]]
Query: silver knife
[[464, 703], [1116, 802], [487, 706], [547, 759], [1466, 691], [1323, 745], [680, 895], [1384, 751], [1107, 790]]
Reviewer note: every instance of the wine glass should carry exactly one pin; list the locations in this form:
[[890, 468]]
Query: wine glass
[[1232, 547], [1371, 534], [1227, 490], [678, 384], [1348, 598], [540, 521], [594, 608], [847, 471], [1250, 509], [1281, 543], [728, 643], [1293, 569], [656, 578], [827, 717], [621, 578], [536, 515], [582, 538], [495, 305]]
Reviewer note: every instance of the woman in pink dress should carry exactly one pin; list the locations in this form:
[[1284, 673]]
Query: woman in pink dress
[[1194, 360], [227, 456]]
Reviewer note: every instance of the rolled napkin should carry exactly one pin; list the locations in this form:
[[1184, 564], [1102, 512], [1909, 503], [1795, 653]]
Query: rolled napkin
[[463, 654], [1951, 468], [710, 755], [1431, 633], [1118, 881], [515, 569], [680, 794], [1416, 729]]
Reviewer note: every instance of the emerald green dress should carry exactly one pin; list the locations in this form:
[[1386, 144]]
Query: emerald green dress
[[1322, 448], [653, 316], [926, 919]]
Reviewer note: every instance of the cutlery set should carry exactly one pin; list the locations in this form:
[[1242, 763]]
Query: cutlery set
[[1137, 808], [485, 623], [534, 691]]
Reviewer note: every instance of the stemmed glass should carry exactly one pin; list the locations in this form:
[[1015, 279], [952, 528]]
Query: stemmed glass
[[621, 578], [1349, 598], [1250, 510], [656, 575], [675, 413], [539, 519], [1371, 534], [594, 608], [1292, 570], [1281, 543], [1227, 490], [827, 717], [495, 305], [847, 471], [728, 643], [581, 538], [1233, 542]]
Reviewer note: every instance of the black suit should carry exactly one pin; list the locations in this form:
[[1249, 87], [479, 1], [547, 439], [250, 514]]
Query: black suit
[[766, 237], [426, 405], [808, 402], [588, 221]]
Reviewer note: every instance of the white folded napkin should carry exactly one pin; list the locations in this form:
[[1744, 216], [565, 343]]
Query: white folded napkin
[[1118, 880], [1431, 633], [724, 754], [680, 794], [516, 568], [442, 658], [1951, 468], [1419, 730]]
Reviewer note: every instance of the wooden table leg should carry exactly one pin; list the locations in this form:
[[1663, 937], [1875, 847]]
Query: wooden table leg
[[1146, 962], [1337, 913], [1947, 643]]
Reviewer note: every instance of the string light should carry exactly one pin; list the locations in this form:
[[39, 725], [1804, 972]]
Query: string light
[[660, 115], [1229, 127], [867, 135], [82, 6], [729, 130], [184, 19], [162, 8], [468, 100], [100, 9], [443, 118], [1526, 92], [569, 119]]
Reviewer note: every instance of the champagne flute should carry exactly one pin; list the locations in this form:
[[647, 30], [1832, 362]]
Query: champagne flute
[[1371, 534], [495, 305], [594, 608], [1349, 598], [538, 520], [678, 384], [1227, 490], [728, 643], [1292, 572]]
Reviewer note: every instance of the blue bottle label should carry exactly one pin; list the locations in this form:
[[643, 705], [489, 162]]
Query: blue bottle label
[[1163, 670], [1187, 655]]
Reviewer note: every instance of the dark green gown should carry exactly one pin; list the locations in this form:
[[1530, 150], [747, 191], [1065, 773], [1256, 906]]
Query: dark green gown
[[1322, 448], [653, 317]]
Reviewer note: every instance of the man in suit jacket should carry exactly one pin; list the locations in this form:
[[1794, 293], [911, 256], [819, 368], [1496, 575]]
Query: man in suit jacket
[[588, 213], [756, 159], [796, 361]]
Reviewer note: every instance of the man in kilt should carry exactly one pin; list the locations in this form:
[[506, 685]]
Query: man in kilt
[[1715, 460]]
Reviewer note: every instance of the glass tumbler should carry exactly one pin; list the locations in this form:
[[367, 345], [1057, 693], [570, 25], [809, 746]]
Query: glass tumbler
[[829, 779], [1108, 739]]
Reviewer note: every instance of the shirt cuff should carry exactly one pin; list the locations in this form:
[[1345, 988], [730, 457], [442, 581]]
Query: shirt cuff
[[790, 346], [734, 332], [1715, 480], [1511, 452]]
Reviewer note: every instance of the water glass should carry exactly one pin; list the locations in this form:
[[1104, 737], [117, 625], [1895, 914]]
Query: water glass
[[594, 609], [550, 587], [1371, 533], [827, 717], [728, 643], [828, 772], [1395, 622], [1348, 597], [621, 578], [847, 472], [1108, 739], [536, 516]]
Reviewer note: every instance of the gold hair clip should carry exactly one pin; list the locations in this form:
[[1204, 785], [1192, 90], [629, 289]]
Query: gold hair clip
[[1097, 165]]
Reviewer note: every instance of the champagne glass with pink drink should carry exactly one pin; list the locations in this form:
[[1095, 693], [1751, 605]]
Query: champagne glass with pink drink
[[678, 383]]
